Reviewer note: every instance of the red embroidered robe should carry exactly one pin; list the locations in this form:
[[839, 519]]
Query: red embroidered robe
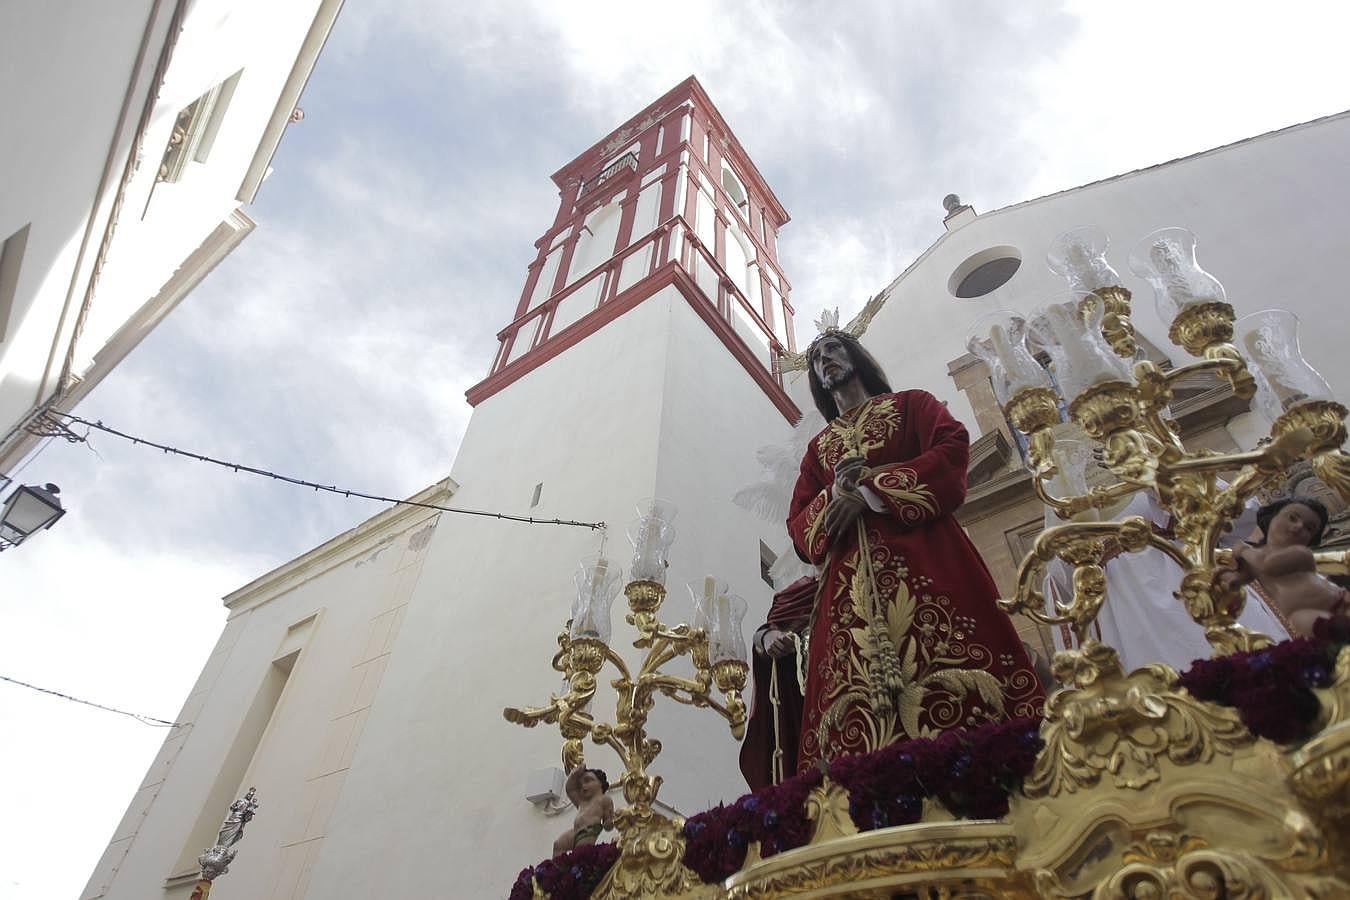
[[907, 640]]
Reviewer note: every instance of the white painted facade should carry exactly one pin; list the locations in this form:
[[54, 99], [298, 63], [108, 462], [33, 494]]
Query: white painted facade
[[1271, 213], [96, 247]]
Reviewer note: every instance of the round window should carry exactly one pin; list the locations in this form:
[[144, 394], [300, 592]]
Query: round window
[[984, 272]]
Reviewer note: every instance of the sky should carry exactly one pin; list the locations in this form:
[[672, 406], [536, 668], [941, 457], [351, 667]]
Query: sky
[[337, 342]]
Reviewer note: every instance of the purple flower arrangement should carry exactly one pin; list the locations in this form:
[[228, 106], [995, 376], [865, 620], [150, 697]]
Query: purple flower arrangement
[[1272, 688], [571, 876], [716, 840], [971, 772]]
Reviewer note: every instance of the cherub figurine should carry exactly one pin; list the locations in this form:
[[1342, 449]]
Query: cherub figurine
[[595, 811], [1282, 563]]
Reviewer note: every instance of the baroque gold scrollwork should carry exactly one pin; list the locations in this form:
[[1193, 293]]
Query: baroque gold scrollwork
[[1109, 724]]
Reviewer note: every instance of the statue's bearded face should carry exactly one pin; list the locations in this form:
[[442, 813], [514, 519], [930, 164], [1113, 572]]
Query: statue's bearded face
[[832, 363]]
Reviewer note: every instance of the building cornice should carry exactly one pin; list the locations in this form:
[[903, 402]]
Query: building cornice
[[289, 99], [340, 549], [218, 244]]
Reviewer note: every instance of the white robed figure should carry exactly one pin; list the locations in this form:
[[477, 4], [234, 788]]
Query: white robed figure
[[1141, 617]]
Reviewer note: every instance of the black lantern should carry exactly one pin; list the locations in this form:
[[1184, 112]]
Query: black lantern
[[29, 510]]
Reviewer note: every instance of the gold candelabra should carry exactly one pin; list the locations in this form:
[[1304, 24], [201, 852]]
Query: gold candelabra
[[651, 843], [1089, 337]]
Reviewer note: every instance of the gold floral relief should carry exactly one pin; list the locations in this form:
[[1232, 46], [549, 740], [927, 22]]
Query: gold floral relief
[[860, 431]]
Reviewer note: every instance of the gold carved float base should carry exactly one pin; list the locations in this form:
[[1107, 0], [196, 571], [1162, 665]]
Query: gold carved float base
[[1141, 792]]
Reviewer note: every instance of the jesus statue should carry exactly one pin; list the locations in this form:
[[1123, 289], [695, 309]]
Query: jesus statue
[[904, 638]]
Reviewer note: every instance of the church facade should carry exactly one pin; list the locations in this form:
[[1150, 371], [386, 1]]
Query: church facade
[[360, 687]]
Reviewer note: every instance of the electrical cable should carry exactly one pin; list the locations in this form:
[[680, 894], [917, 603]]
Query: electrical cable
[[332, 489], [146, 720]]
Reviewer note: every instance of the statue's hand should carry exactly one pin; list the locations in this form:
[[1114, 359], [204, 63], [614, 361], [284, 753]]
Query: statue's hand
[[847, 472], [841, 513], [777, 643]]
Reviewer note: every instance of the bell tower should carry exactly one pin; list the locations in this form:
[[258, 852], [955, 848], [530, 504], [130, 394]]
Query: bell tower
[[670, 198], [636, 362]]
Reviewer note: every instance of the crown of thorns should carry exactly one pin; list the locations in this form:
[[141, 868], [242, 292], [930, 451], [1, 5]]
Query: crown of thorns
[[827, 325]]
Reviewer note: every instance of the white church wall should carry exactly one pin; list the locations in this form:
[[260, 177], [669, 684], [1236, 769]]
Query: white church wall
[[711, 427], [1270, 222], [340, 606], [641, 407]]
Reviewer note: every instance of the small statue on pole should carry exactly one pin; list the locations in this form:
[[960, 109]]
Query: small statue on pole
[[216, 861]]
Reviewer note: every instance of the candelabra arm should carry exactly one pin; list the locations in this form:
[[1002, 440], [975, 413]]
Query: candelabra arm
[[1082, 545], [1096, 498], [689, 691], [1222, 366], [602, 733], [1272, 459], [617, 661], [662, 651], [530, 716]]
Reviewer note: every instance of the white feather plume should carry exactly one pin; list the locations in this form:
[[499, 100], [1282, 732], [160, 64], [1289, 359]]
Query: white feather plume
[[770, 497]]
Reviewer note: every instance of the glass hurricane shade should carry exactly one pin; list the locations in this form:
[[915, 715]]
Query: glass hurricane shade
[[1079, 257], [1069, 329], [597, 581], [1072, 459], [720, 615], [651, 535], [1284, 379], [998, 338], [1166, 260], [29, 509]]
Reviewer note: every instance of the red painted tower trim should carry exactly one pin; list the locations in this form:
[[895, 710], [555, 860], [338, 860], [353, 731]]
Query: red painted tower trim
[[646, 162]]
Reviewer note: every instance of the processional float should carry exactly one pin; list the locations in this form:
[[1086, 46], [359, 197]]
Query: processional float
[[1141, 788]]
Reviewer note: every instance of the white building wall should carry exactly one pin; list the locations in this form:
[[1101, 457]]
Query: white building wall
[[349, 599], [1272, 216], [650, 404], [71, 66]]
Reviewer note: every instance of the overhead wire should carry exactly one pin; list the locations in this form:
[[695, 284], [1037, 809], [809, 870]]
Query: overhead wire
[[332, 489], [147, 720]]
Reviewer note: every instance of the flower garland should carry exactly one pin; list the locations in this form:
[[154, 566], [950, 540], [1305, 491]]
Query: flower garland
[[571, 876], [716, 840], [971, 772], [1272, 688]]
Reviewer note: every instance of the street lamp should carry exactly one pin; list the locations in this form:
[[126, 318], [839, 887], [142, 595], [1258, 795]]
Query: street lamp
[[28, 510]]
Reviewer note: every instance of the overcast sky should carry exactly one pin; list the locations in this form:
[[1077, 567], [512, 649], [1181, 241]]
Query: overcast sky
[[338, 340]]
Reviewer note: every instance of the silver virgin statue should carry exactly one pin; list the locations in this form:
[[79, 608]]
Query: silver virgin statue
[[216, 861]]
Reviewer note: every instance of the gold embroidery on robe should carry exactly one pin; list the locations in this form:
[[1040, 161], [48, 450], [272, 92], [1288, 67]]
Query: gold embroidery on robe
[[914, 501], [861, 430], [941, 667]]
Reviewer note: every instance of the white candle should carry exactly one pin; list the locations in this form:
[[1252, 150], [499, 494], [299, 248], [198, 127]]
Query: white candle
[[647, 555]]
